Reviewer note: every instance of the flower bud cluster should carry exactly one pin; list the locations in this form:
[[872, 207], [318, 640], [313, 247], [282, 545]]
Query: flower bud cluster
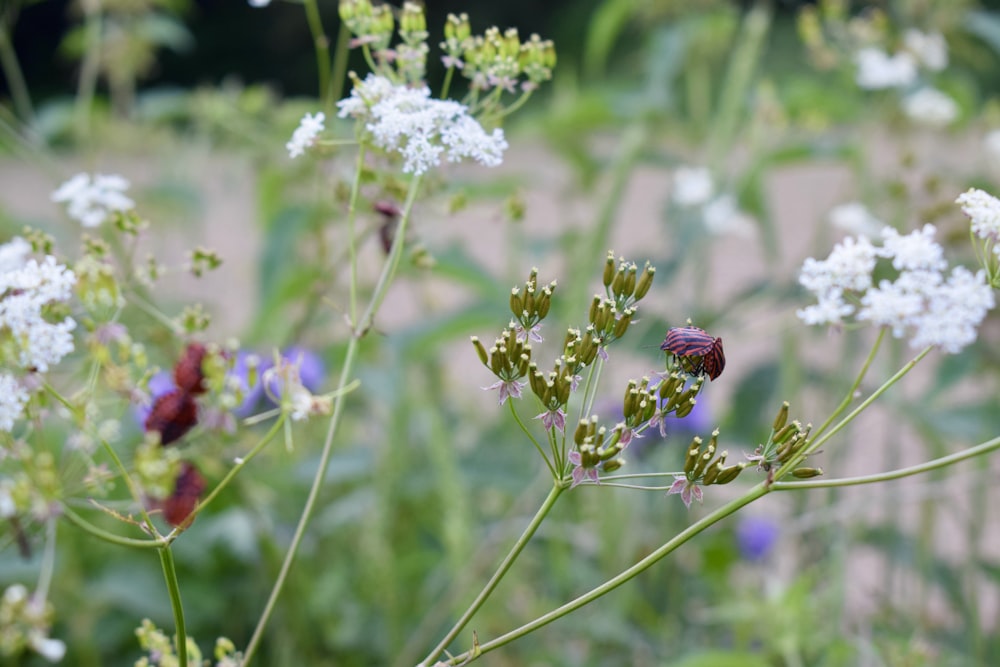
[[611, 315], [787, 439], [596, 450], [530, 306], [495, 59], [509, 359], [705, 468]]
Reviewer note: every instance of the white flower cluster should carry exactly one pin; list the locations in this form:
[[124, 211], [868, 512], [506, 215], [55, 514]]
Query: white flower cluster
[[931, 107], [421, 129], [721, 214], [90, 200], [937, 310], [305, 134], [983, 210], [878, 70], [855, 218], [27, 288]]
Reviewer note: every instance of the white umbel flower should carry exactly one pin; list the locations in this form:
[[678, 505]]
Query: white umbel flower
[[722, 215], [929, 48], [13, 398], [305, 134], [422, 130], [983, 210], [90, 200], [13, 254], [878, 70], [929, 106], [855, 219], [693, 186], [917, 251], [26, 291]]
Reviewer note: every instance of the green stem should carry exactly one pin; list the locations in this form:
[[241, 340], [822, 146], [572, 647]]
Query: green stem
[[15, 77], [447, 83], [242, 461], [854, 387], [48, 564], [625, 576], [107, 536], [322, 44], [339, 74], [793, 462], [951, 459], [170, 574], [517, 418], [392, 263], [491, 585], [388, 271], [352, 249]]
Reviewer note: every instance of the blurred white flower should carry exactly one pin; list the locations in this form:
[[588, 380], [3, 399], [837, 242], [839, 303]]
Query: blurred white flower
[[24, 293], [723, 216], [13, 254], [259, 3], [13, 398], [855, 219], [693, 186], [983, 210], [931, 107], [305, 134], [930, 48], [934, 311], [90, 200], [878, 70], [421, 129]]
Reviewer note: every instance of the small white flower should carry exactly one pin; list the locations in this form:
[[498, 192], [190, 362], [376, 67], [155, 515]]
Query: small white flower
[[831, 309], [855, 219], [26, 291], [954, 310], [878, 70], [52, 650], [983, 210], [90, 200], [408, 121], [13, 254], [259, 3], [693, 186], [13, 398], [848, 268], [931, 107], [929, 48], [305, 134], [917, 251], [723, 216], [891, 305]]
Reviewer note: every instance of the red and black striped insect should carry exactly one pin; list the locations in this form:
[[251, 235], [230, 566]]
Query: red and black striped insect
[[697, 350]]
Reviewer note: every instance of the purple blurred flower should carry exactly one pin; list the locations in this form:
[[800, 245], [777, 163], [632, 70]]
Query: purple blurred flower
[[312, 373], [756, 537]]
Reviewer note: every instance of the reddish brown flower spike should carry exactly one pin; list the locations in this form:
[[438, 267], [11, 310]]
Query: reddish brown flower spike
[[187, 489], [188, 375], [172, 415]]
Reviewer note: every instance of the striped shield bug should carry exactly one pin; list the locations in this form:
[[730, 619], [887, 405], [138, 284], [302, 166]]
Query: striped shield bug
[[696, 350]]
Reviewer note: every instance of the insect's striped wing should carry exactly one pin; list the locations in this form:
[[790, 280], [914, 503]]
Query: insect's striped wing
[[688, 342], [715, 360]]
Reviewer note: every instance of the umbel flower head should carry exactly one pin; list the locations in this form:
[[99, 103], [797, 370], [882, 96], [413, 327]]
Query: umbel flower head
[[932, 307], [409, 122], [91, 200]]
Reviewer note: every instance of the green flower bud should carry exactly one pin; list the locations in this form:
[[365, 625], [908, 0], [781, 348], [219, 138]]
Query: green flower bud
[[481, 351], [630, 279], [645, 282], [712, 473], [581, 431], [609, 269], [729, 474], [613, 464], [780, 418], [693, 454], [806, 473]]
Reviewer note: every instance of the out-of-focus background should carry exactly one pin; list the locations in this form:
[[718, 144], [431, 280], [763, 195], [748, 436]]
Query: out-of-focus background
[[430, 482]]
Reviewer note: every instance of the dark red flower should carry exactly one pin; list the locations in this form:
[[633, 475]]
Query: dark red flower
[[172, 415], [187, 373], [187, 489]]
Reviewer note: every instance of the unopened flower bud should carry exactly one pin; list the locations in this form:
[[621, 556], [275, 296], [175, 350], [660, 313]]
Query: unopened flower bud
[[613, 464], [785, 433], [609, 269], [806, 473], [729, 474], [481, 351], [712, 473], [645, 282], [781, 418], [630, 279], [581, 431]]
